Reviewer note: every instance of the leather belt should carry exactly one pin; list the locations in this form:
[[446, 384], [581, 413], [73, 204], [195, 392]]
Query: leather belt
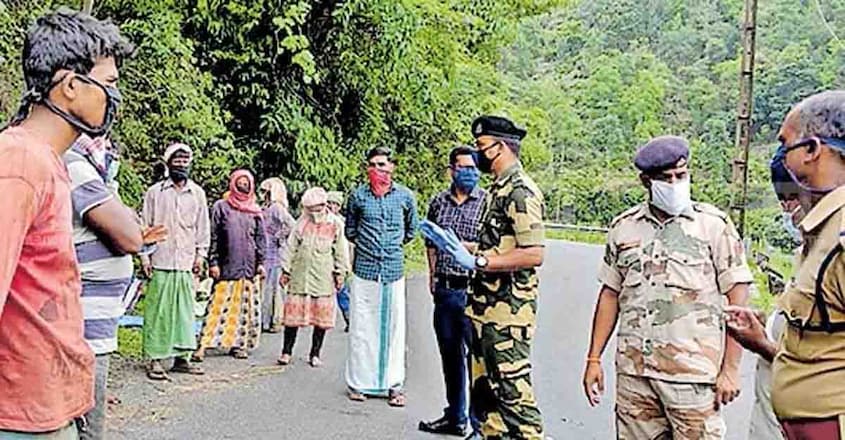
[[456, 282]]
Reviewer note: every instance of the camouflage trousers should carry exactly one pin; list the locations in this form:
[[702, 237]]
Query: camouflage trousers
[[502, 398], [655, 409]]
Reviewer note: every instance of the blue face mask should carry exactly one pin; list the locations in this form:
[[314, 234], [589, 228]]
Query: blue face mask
[[466, 178]]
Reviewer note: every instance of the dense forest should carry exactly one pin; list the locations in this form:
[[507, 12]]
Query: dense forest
[[302, 88]]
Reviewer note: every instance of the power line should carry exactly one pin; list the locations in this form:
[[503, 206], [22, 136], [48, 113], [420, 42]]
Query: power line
[[826, 24]]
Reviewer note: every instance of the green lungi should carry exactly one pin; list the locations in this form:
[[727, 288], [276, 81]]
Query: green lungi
[[169, 315]]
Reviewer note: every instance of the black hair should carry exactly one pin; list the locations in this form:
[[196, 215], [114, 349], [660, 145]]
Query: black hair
[[460, 150], [380, 151], [65, 39]]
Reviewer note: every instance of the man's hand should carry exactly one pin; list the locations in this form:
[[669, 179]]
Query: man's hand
[[214, 272], [338, 281], [593, 383], [147, 269], [197, 268], [432, 283], [260, 271], [448, 242], [284, 280], [727, 387], [154, 234], [745, 326]]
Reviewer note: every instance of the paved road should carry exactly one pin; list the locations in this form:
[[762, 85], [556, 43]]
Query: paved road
[[256, 400]]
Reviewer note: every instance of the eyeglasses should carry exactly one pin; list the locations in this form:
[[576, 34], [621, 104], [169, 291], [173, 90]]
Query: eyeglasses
[[837, 143], [481, 148]]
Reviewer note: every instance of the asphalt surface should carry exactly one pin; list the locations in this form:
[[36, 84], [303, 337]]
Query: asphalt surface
[[257, 400]]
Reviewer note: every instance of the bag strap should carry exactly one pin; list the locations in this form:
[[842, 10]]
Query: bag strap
[[819, 302]]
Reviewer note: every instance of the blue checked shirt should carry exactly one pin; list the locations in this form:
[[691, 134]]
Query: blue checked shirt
[[463, 219], [379, 226]]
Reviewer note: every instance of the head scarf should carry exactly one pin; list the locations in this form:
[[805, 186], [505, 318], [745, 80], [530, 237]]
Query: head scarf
[[314, 196], [336, 197], [173, 148], [240, 201], [277, 189]]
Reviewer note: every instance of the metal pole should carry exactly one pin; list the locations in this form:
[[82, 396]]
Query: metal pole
[[743, 120], [87, 6]]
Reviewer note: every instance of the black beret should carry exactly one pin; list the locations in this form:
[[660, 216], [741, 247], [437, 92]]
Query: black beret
[[661, 153], [497, 126]]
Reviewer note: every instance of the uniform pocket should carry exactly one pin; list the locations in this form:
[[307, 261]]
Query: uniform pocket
[[630, 263], [687, 272]]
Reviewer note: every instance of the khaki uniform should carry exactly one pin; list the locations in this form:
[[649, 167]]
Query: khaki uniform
[[502, 308], [671, 279], [809, 368]]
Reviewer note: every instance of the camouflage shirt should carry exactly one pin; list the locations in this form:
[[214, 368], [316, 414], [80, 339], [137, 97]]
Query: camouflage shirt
[[671, 279], [512, 217]]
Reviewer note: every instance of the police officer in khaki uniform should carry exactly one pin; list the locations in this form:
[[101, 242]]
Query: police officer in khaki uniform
[[808, 369], [669, 268], [502, 304]]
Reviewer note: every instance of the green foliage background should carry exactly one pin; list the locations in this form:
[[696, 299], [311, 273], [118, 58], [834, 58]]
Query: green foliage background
[[301, 88]]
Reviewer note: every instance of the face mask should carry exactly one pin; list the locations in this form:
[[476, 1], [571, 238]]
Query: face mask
[[379, 181], [318, 217], [485, 164], [179, 174], [805, 187], [671, 198], [465, 179], [113, 100], [791, 229]]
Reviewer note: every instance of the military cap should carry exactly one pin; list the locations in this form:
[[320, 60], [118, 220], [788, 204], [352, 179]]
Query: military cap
[[497, 126], [661, 153]]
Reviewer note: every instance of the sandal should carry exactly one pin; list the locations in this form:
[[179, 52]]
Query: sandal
[[284, 359], [396, 399], [240, 353], [198, 356], [187, 368], [156, 372], [355, 396], [315, 362]]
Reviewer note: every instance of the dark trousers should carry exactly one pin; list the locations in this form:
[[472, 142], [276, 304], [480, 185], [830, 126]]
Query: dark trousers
[[811, 429], [453, 331]]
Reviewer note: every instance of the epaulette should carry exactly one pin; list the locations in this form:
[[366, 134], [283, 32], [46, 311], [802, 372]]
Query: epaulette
[[706, 208], [631, 211]]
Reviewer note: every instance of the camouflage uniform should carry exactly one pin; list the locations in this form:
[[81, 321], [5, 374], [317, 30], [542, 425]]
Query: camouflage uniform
[[671, 280], [502, 308]]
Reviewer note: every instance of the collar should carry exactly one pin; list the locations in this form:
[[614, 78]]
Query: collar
[[168, 183], [508, 173], [390, 190], [645, 212], [474, 194], [826, 207]]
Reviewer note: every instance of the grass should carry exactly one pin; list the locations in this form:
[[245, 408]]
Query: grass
[[577, 236], [763, 300], [129, 343]]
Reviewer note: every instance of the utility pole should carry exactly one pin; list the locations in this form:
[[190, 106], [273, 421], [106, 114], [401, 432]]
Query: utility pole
[[739, 198], [87, 6]]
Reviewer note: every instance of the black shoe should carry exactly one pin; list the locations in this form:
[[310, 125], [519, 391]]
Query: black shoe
[[475, 435], [442, 426]]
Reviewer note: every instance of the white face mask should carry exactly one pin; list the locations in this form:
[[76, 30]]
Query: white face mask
[[671, 198]]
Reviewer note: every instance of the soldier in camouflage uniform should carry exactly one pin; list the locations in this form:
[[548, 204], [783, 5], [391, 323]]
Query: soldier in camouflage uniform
[[669, 268], [503, 300]]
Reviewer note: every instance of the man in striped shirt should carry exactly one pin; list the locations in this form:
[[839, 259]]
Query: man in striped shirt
[[105, 233]]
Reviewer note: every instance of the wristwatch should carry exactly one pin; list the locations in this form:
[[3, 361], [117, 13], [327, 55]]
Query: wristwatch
[[481, 262]]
